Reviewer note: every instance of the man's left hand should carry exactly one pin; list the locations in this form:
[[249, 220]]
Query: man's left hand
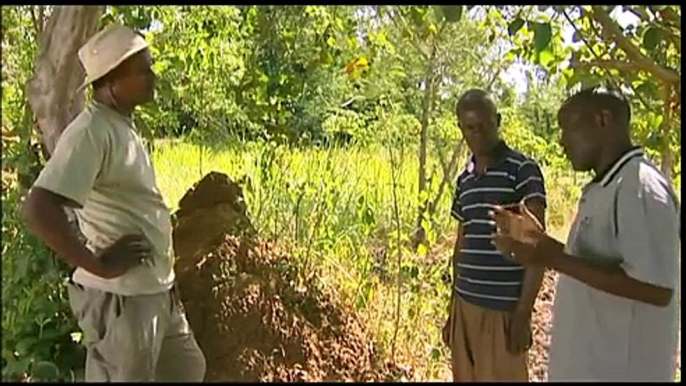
[[517, 235]]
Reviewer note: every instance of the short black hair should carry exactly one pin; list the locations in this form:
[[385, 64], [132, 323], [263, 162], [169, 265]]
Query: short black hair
[[475, 98], [600, 98], [107, 78], [99, 83]]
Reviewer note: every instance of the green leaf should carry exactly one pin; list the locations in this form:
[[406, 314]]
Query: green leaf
[[491, 37], [589, 80], [645, 89], [45, 370], [435, 354], [24, 345], [452, 13], [546, 57], [654, 120], [510, 56], [515, 26], [542, 35], [567, 73], [418, 15], [422, 250], [651, 38], [17, 367]]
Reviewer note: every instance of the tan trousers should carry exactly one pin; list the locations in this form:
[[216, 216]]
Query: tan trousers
[[136, 338], [478, 338]]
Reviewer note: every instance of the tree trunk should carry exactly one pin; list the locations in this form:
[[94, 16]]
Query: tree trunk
[[424, 136], [423, 144], [449, 171], [419, 234], [52, 89], [667, 161]]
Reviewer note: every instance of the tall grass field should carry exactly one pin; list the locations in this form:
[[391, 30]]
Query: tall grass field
[[334, 210]]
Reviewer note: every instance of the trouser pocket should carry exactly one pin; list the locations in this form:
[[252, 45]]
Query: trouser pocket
[[92, 308]]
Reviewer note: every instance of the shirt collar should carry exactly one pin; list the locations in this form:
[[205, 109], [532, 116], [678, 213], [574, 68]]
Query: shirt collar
[[111, 111], [607, 176], [498, 153]]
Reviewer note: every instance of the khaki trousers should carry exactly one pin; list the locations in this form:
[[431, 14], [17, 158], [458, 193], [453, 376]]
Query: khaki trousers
[[136, 338], [478, 340]]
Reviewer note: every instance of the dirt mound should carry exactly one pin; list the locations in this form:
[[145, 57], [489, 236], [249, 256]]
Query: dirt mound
[[212, 208], [255, 317]]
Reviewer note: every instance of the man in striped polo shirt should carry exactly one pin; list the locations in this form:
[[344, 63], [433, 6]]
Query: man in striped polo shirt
[[489, 327]]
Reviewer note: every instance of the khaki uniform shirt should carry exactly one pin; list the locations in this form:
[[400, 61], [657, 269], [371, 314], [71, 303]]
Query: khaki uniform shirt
[[100, 163]]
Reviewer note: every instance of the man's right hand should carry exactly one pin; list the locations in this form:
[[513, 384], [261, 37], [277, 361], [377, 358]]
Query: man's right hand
[[446, 331], [127, 252]]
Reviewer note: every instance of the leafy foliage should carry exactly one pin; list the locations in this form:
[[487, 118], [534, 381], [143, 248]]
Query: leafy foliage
[[643, 58]]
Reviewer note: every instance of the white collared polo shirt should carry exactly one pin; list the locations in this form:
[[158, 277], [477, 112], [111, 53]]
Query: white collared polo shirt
[[629, 216]]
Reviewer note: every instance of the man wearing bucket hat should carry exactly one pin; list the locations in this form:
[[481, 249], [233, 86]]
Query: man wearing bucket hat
[[122, 290]]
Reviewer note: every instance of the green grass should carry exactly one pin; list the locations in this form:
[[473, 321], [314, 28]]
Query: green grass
[[333, 208]]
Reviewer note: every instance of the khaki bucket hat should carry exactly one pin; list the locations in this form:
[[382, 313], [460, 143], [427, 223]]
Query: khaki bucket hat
[[107, 49]]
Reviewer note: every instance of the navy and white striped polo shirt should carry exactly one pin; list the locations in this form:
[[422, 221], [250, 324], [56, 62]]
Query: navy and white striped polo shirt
[[483, 275]]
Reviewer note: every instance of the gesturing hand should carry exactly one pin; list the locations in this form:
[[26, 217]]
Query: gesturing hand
[[517, 233]]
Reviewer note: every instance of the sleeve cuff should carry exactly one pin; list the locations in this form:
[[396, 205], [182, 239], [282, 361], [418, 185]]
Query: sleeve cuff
[[61, 191]]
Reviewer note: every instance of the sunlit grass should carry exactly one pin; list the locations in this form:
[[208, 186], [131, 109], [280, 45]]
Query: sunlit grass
[[334, 208]]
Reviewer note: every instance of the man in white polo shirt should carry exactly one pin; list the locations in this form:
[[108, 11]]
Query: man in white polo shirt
[[122, 289], [616, 311]]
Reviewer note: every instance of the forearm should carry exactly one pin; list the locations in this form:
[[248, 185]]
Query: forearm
[[50, 224], [455, 259], [533, 277], [611, 279]]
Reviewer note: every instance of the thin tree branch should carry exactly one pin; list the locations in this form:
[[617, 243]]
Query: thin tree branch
[[611, 77], [395, 18], [34, 19], [666, 124], [586, 43], [494, 78], [41, 18], [611, 31], [676, 41], [607, 64], [669, 15]]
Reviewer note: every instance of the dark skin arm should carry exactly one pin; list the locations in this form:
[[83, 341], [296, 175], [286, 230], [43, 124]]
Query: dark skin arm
[[611, 279], [455, 258], [533, 276], [532, 247], [456, 253], [519, 334], [44, 214]]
